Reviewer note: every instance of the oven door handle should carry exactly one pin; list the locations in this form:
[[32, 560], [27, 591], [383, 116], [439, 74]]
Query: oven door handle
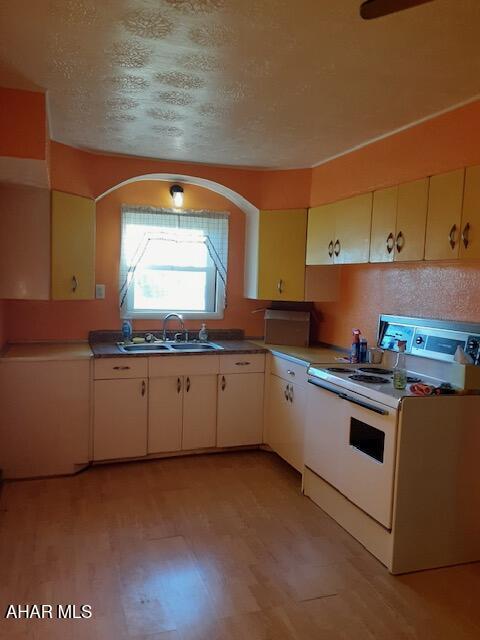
[[365, 405], [327, 387]]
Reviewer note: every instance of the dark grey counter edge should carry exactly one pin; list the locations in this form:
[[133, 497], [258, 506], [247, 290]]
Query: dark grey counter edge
[[110, 350]]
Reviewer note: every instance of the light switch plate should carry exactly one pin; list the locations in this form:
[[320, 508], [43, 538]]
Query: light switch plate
[[100, 291]]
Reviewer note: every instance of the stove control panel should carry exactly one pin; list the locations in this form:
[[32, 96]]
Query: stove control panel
[[438, 340]]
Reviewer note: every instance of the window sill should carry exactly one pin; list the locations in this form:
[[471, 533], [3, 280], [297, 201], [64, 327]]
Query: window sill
[[187, 315]]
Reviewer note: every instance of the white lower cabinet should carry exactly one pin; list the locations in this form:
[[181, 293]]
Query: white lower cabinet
[[44, 417], [240, 409], [199, 412], [165, 414], [286, 418], [120, 418]]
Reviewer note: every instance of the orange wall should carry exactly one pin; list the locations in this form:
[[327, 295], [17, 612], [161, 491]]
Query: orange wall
[[447, 290], [91, 174], [70, 320], [446, 142], [3, 323], [22, 124]]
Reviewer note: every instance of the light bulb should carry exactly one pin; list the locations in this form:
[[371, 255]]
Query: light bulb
[[176, 191]]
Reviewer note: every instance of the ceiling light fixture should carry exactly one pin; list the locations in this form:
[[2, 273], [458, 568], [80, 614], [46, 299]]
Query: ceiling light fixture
[[176, 191]]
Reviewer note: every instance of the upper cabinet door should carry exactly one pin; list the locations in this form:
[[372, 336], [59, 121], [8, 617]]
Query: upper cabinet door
[[444, 215], [73, 247], [384, 215], [353, 226], [411, 220], [281, 257], [320, 234], [470, 231]]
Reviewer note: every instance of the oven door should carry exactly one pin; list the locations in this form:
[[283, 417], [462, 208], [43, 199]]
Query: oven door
[[350, 443]]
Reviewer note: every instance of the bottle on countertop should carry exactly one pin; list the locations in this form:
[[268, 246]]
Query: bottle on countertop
[[203, 333], [355, 351], [363, 350], [400, 368], [127, 330]]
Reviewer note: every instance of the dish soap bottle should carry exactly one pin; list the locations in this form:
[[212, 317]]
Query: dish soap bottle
[[400, 368], [203, 333], [127, 330], [355, 351]]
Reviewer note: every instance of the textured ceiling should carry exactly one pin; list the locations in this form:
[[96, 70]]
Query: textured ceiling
[[267, 83]]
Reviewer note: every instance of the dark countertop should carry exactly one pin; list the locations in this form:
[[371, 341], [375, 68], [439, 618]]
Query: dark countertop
[[110, 350]]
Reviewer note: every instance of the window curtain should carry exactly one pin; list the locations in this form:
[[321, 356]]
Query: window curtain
[[161, 224]]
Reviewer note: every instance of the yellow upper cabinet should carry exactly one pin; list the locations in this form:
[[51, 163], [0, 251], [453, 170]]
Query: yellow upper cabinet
[[384, 219], [339, 233], [411, 220], [352, 230], [470, 227], [73, 247], [281, 255], [444, 215], [321, 234]]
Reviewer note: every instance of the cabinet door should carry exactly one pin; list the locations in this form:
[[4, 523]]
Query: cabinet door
[[120, 419], [411, 220], [470, 234], [199, 412], [285, 417], [240, 409], [321, 234], [281, 259], [73, 247], [384, 216], [165, 409], [352, 226], [444, 215]]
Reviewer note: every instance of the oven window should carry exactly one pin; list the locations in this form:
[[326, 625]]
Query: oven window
[[367, 439]]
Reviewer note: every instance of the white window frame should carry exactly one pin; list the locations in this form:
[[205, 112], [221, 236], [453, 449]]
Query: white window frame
[[219, 296]]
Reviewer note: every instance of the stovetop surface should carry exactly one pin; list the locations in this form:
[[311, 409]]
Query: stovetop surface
[[372, 381]]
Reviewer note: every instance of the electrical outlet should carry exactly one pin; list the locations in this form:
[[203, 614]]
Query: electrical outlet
[[100, 291]]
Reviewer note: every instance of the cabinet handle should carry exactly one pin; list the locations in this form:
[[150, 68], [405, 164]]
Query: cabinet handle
[[285, 393], [400, 241], [179, 385], [74, 284], [390, 242], [465, 235], [242, 363], [290, 394], [451, 237], [224, 383], [337, 248], [280, 286], [330, 248], [144, 387], [187, 385], [121, 368]]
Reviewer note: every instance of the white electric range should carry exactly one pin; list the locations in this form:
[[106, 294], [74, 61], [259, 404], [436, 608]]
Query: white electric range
[[397, 470]]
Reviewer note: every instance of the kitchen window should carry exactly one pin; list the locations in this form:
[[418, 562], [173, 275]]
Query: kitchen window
[[173, 262]]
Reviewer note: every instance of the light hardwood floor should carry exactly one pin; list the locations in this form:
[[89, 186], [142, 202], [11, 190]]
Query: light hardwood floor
[[209, 548]]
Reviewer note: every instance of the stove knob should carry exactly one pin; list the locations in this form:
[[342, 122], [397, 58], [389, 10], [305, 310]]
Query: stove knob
[[419, 340]]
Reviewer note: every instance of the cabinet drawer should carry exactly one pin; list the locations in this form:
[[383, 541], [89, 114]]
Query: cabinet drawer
[[112, 368], [242, 363], [288, 370], [182, 365]]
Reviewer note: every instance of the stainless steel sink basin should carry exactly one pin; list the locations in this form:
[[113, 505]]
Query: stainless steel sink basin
[[153, 347], [195, 346], [143, 347]]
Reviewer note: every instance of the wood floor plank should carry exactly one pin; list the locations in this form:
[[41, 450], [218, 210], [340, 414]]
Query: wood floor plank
[[211, 547]]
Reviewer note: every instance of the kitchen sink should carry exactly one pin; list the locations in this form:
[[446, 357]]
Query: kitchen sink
[[195, 346], [153, 347], [142, 347]]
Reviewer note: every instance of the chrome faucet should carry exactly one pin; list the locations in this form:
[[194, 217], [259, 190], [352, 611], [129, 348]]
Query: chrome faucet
[[180, 319]]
